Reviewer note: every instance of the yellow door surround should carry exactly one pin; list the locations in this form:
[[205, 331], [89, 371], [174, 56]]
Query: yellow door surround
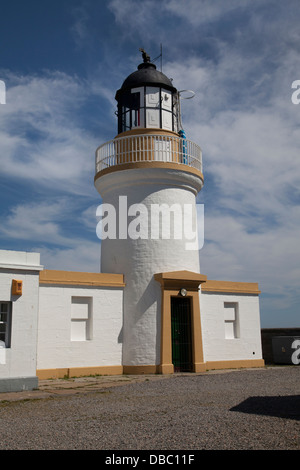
[[171, 285]]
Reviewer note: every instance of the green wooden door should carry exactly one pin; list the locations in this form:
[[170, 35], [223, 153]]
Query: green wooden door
[[181, 334]]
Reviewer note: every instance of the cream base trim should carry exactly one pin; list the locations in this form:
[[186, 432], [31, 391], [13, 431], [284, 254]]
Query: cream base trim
[[164, 369], [199, 367], [146, 130], [238, 364], [231, 287], [62, 373], [215, 365], [150, 164], [81, 278], [140, 370]]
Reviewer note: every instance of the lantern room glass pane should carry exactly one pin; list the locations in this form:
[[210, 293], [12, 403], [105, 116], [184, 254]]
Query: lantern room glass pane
[[149, 107]]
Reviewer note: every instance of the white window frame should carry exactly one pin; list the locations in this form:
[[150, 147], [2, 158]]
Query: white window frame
[[5, 324], [81, 318], [231, 320]]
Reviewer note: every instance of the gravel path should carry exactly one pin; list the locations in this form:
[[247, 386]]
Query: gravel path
[[233, 410]]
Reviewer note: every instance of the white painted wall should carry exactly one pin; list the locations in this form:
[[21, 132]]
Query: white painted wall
[[216, 347], [139, 259], [19, 360], [60, 331], [48, 321]]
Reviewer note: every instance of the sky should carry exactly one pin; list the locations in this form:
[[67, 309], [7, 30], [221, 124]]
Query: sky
[[62, 62]]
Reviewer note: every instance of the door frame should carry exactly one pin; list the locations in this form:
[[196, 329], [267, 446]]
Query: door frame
[[171, 285], [182, 312]]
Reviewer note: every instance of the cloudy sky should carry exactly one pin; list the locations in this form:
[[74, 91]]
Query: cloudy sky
[[62, 62]]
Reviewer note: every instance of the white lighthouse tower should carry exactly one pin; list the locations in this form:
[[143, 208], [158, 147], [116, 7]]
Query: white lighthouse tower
[[148, 177], [141, 314]]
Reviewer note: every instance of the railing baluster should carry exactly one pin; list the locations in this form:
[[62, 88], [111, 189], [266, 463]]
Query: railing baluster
[[146, 147]]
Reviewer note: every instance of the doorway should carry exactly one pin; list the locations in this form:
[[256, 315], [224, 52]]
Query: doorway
[[182, 356]]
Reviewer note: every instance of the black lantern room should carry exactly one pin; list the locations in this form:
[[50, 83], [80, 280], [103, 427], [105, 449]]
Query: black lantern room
[[147, 99]]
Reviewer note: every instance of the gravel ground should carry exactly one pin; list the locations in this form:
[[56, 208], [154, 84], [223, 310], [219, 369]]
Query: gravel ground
[[235, 410]]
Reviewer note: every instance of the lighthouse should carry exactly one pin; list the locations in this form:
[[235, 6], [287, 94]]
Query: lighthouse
[[148, 178], [150, 309]]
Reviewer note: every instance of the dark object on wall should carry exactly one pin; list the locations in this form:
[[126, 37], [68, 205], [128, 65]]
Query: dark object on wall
[[267, 334], [285, 349]]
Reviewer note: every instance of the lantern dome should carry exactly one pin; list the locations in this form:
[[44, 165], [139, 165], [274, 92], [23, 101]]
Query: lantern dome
[[146, 75], [147, 99]]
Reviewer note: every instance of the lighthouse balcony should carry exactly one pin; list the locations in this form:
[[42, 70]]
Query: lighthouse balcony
[[148, 148]]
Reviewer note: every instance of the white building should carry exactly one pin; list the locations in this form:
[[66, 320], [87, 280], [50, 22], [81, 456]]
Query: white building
[[150, 310], [19, 309]]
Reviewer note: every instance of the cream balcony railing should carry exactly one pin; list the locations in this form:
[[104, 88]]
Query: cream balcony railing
[[148, 148]]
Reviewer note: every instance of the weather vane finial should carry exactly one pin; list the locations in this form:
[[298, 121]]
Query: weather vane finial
[[146, 57]]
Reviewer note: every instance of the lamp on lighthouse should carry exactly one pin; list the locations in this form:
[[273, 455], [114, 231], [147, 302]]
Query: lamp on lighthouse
[[147, 99]]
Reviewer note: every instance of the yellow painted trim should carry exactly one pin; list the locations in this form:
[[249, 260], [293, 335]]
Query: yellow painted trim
[[145, 131], [81, 279], [179, 279], [171, 283], [150, 164], [61, 373], [232, 287], [140, 370], [166, 369], [238, 364]]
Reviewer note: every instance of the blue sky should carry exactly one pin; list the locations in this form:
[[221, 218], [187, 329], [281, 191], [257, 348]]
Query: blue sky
[[62, 62]]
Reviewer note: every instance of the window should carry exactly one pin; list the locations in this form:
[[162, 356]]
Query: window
[[147, 107], [81, 318], [129, 111], [5, 324], [231, 320]]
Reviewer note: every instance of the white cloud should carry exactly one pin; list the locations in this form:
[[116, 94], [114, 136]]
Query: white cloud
[[240, 58], [58, 230], [138, 12], [38, 221], [200, 12], [243, 118], [42, 136], [84, 257], [88, 218], [47, 149], [80, 30]]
